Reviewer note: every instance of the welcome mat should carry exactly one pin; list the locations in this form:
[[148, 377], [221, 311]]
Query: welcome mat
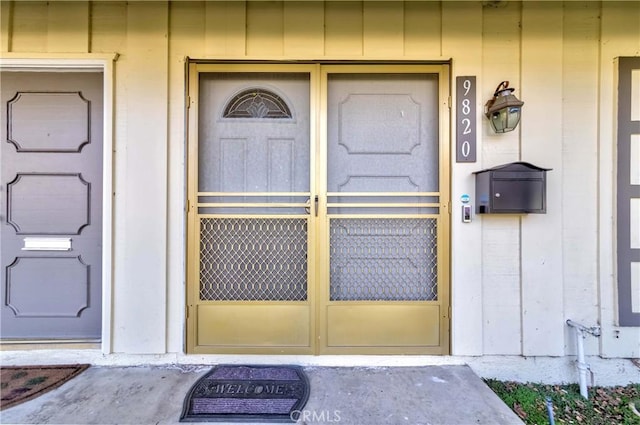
[[21, 383], [247, 393]]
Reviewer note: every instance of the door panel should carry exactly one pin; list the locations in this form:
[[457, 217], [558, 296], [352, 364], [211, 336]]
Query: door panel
[[382, 133], [259, 325], [52, 196], [48, 203], [253, 259], [383, 259], [28, 276], [382, 326], [48, 122], [258, 151]]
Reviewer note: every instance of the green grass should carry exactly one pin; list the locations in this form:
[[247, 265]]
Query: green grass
[[605, 406], [35, 381]]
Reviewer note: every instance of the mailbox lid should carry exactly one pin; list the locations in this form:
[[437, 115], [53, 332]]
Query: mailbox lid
[[515, 167]]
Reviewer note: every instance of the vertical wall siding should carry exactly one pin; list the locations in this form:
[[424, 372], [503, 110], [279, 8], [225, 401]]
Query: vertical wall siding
[[500, 250], [265, 29], [225, 29], [303, 29], [108, 28], [187, 34], [462, 40], [619, 36], [343, 29], [516, 276], [581, 31], [141, 182], [29, 27], [541, 144], [423, 26], [62, 37], [6, 12], [383, 25]]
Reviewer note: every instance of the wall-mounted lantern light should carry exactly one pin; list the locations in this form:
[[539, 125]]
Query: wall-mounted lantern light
[[504, 109]]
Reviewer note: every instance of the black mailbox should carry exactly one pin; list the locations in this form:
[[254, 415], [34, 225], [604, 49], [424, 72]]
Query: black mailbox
[[515, 188]]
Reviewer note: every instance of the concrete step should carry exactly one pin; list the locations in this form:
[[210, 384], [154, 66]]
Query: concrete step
[[452, 395]]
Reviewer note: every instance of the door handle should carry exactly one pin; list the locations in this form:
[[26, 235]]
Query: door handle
[[315, 206]]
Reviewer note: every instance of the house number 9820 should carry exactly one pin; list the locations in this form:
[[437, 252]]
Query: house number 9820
[[466, 119]]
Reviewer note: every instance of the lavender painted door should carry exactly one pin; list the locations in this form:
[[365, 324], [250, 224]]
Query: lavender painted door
[[51, 212]]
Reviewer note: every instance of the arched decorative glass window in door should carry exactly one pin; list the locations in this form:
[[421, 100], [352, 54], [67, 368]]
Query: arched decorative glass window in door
[[257, 103]]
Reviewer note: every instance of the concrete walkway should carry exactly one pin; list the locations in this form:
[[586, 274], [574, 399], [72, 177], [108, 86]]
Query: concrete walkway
[[339, 395]]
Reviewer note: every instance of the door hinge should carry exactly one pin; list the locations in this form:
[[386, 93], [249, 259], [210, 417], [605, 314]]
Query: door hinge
[[449, 102], [188, 205], [187, 311], [188, 102]]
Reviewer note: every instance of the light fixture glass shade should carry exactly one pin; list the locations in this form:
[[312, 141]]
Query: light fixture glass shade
[[504, 109]]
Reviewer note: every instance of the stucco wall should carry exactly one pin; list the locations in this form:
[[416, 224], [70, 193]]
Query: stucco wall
[[515, 280]]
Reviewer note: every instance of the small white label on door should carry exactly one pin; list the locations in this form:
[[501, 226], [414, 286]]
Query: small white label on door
[[47, 244]]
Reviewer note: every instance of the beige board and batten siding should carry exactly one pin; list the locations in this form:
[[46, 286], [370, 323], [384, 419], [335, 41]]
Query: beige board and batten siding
[[500, 241], [464, 22], [542, 277], [517, 276], [581, 29], [620, 36]]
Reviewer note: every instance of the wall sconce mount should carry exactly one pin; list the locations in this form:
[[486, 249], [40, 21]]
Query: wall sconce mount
[[503, 110]]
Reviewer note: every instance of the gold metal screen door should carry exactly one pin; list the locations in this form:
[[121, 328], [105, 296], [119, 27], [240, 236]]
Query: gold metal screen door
[[386, 225], [250, 260], [318, 219]]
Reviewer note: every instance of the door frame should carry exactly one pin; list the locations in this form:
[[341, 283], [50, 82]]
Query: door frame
[[318, 141], [98, 63]]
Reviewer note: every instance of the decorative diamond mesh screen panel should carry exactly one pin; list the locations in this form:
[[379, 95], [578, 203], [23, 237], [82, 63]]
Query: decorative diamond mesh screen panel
[[251, 259], [383, 259]]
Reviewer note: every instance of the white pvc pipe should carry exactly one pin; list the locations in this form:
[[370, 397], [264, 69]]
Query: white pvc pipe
[[582, 366]]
